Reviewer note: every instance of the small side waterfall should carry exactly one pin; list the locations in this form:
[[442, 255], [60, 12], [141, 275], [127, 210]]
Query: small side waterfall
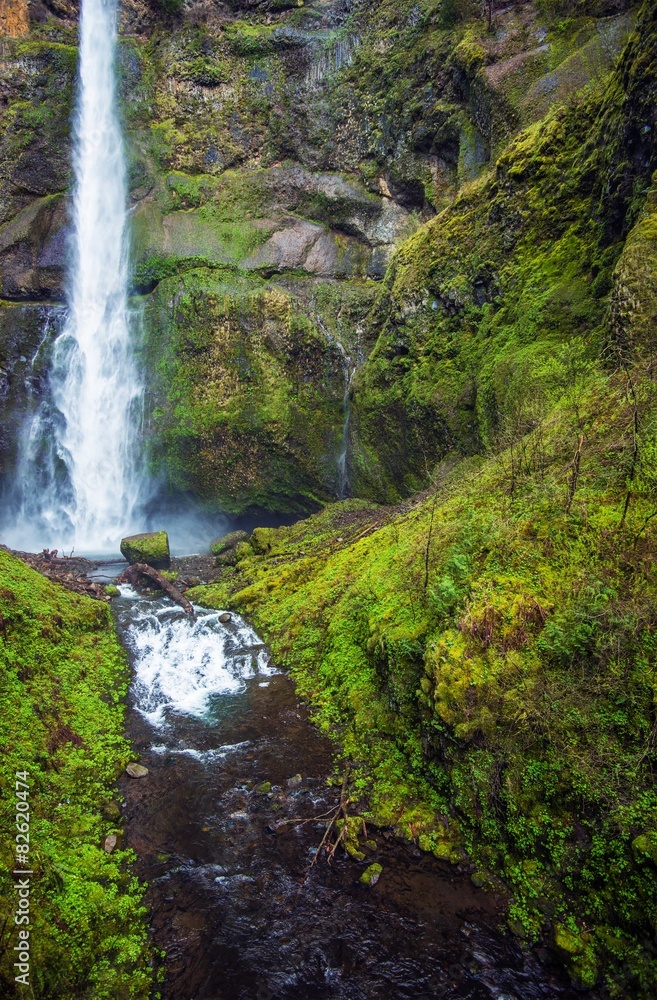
[[86, 496], [343, 468]]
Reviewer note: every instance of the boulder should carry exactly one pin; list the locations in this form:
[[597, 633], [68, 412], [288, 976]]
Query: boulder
[[150, 547], [111, 811], [226, 549]]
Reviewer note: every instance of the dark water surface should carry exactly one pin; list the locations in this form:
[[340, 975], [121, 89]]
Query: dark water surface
[[244, 914]]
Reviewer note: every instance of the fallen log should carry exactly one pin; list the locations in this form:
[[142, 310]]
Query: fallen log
[[132, 573]]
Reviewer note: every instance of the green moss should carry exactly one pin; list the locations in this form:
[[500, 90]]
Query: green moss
[[454, 646], [63, 678], [229, 541], [151, 548], [371, 875], [240, 369]]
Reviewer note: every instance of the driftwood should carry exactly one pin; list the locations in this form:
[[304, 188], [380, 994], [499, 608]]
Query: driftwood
[[132, 573]]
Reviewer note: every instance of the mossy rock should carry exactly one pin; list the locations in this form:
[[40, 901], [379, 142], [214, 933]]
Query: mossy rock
[[568, 942], [262, 540], [149, 547], [371, 875], [229, 541], [645, 845], [584, 970]]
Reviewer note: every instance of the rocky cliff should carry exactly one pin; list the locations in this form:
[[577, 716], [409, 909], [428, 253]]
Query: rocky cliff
[[405, 252], [281, 154]]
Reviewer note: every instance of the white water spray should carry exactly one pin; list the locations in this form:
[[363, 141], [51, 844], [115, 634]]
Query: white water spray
[[89, 500], [182, 664]]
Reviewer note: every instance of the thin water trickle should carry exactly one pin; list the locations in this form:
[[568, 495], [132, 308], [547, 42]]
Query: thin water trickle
[[86, 494]]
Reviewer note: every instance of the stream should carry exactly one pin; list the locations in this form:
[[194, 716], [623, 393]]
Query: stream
[[239, 902]]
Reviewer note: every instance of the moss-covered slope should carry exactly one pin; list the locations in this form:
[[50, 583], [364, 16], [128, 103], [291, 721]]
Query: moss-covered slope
[[486, 649], [493, 307], [62, 678], [486, 654]]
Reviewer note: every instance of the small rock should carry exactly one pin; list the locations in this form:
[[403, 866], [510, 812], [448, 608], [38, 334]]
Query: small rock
[[110, 842], [136, 770], [265, 787], [371, 875], [294, 781], [371, 845], [111, 811], [112, 591], [351, 848], [225, 618]]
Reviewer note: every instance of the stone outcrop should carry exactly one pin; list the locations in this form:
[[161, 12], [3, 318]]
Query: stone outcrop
[[34, 251], [151, 548]]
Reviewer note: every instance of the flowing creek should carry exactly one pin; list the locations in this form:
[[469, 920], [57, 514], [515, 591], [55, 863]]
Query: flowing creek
[[236, 901]]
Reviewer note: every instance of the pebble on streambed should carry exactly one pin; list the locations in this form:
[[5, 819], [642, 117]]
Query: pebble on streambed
[[371, 875], [136, 770]]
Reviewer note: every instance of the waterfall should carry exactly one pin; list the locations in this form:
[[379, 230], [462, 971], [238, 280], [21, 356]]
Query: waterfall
[[86, 495]]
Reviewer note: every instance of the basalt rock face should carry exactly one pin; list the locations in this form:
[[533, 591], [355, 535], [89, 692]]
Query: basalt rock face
[[26, 330], [286, 152]]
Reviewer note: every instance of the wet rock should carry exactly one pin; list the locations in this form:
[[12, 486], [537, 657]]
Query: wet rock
[[110, 843], [111, 811], [225, 618], [33, 251], [371, 875], [227, 542], [645, 845], [136, 770], [151, 548], [111, 590], [264, 788], [294, 781]]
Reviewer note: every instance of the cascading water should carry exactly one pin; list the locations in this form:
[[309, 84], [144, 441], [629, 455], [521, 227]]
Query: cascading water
[[85, 493], [182, 664]]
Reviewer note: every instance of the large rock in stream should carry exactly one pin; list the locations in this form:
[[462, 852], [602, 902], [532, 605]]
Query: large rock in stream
[[149, 547]]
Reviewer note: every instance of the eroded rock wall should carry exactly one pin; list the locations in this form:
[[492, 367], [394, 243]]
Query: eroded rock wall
[[290, 150]]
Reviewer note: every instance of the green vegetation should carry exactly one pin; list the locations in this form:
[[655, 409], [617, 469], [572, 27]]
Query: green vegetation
[[248, 394], [487, 655], [63, 676], [486, 650]]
